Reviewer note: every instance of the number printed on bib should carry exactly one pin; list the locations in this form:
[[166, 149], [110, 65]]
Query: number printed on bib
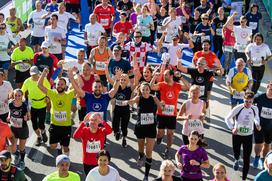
[[168, 110], [147, 118], [121, 103], [2, 107], [202, 90], [253, 25], [100, 65], [241, 48], [228, 48], [238, 95], [266, 113], [93, 147], [194, 124], [104, 22], [245, 127], [16, 122], [60, 116], [205, 38], [23, 67]]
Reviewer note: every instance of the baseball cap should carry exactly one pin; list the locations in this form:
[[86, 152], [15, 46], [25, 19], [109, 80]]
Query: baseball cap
[[5, 154], [34, 70], [45, 44], [123, 13], [117, 47], [62, 158]]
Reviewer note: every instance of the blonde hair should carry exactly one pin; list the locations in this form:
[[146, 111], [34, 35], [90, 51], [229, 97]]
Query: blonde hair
[[166, 163], [220, 165], [193, 88]]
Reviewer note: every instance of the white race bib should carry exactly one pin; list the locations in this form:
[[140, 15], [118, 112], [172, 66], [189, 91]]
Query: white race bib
[[253, 25], [23, 67], [228, 48], [241, 48], [238, 95], [100, 65], [194, 125], [202, 90], [168, 110], [104, 22], [219, 31], [159, 28], [207, 37], [93, 147], [121, 103], [266, 113], [147, 118], [60, 116], [183, 19], [16, 122]]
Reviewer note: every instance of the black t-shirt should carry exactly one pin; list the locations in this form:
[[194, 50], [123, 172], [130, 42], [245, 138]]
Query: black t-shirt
[[193, 23], [159, 24], [265, 111], [219, 25], [122, 95], [124, 6], [202, 9], [175, 178], [17, 115]]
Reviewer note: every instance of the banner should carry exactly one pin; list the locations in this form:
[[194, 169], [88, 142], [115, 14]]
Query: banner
[[23, 8], [268, 7]]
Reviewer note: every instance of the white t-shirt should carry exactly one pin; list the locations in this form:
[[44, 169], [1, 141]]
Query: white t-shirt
[[172, 27], [172, 51], [257, 52], [93, 32], [242, 37], [63, 19], [4, 42], [58, 32], [71, 63], [39, 23], [94, 175], [5, 90]]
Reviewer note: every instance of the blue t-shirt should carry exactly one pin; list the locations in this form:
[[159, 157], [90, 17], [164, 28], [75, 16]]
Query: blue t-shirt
[[122, 64], [253, 21], [200, 28], [99, 105], [263, 176], [52, 7]]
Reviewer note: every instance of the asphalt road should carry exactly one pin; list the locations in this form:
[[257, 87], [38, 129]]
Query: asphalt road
[[3, 2]]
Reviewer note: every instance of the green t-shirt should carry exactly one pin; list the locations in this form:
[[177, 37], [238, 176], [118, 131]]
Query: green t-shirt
[[35, 95], [55, 177], [61, 107], [18, 175], [18, 55]]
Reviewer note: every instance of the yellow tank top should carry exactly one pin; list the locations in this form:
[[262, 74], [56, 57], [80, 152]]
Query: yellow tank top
[[13, 25], [239, 81]]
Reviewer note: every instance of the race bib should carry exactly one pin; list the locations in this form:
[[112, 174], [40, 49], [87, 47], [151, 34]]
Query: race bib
[[39, 23], [205, 38], [2, 107], [16, 122], [121, 103], [244, 127], [228, 48], [194, 124], [183, 19], [23, 67], [219, 32], [159, 28], [266, 113], [104, 22], [241, 48], [194, 38], [253, 25], [100, 65], [202, 90], [256, 62], [168, 110], [93, 147], [60, 116], [238, 95], [147, 118]]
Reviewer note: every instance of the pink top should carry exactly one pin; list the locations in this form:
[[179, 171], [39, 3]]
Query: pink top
[[194, 124], [229, 37]]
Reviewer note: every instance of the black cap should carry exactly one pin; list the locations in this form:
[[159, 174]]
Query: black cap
[[117, 47], [5, 154]]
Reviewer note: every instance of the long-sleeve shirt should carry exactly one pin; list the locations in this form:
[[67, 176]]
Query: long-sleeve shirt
[[245, 119], [92, 143]]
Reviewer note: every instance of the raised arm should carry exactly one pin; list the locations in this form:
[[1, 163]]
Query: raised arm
[[78, 90], [152, 83], [41, 79], [116, 84]]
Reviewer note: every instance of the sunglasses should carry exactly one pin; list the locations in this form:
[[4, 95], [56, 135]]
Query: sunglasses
[[205, 18], [201, 64], [243, 21], [247, 101], [137, 37]]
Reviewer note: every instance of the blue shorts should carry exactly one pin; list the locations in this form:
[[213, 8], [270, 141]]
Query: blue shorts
[[234, 101], [5, 64]]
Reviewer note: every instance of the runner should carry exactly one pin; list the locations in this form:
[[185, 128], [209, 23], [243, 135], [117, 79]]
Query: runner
[[63, 173], [167, 170], [6, 91], [18, 117], [267, 173], [6, 137], [60, 127], [220, 173], [120, 40], [253, 18], [22, 59], [2, 20], [169, 93], [192, 157], [37, 104], [240, 121], [92, 132], [263, 138], [123, 26], [14, 22], [9, 171]]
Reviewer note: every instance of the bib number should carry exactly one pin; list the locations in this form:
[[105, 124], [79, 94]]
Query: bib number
[[93, 147], [238, 95], [194, 124], [120, 103], [147, 118], [2, 107], [159, 29], [100, 66], [241, 48], [104, 22], [205, 38], [228, 48], [60, 116], [202, 90], [168, 110], [266, 113], [16, 122], [253, 25], [23, 67]]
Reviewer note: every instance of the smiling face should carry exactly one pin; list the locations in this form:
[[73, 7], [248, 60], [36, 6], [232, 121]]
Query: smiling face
[[63, 168], [103, 161], [5, 163], [97, 88], [219, 173], [193, 139], [147, 74], [61, 85], [145, 90]]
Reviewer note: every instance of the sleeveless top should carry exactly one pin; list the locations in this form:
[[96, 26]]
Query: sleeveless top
[[13, 25], [87, 86], [100, 60], [146, 112]]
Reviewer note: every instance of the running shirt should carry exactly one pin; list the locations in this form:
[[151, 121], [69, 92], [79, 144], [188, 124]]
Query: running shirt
[[92, 143], [5, 90], [244, 122], [160, 19], [200, 28], [229, 39], [4, 43], [172, 51], [17, 115], [5, 134], [257, 52], [35, 95], [122, 64], [211, 59], [193, 23], [61, 107], [94, 31], [87, 87], [239, 80], [52, 7], [121, 96], [13, 25], [100, 59], [169, 94], [50, 33], [104, 15], [172, 28], [253, 21], [38, 23], [125, 6], [95, 175], [99, 105], [242, 37], [63, 19], [55, 176], [19, 55], [73, 63], [143, 23], [264, 105], [125, 27], [219, 25], [146, 112]]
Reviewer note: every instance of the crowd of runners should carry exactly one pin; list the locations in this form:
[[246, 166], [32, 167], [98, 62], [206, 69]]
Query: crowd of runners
[[106, 83]]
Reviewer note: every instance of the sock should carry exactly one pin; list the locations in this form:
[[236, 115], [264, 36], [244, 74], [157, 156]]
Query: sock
[[148, 162], [22, 153], [141, 155]]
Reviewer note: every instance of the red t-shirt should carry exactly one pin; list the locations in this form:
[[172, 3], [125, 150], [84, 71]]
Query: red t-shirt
[[104, 15], [87, 87], [92, 143], [5, 133], [122, 27], [169, 94], [72, 1], [211, 58]]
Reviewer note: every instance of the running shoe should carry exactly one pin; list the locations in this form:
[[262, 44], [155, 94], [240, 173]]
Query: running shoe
[[145, 178], [256, 162], [44, 137], [140, 162], [236, 165], [117, 136], [124, 143], [22, 165], [159, 140], [38, 141]]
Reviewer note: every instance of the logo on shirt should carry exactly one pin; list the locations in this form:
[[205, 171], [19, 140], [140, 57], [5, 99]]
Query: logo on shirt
[[244, 34], [97, 106], [170, 95], [16, 113], [120, 96], [60, 103], [200, 79]]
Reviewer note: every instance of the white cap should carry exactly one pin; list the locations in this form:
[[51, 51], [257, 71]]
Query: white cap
[[269, 159], [45, 44]]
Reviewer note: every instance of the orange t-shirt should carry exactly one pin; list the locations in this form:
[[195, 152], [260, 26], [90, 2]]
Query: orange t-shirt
[[5, 133], [100, 60], [169, 94], [211, 59]]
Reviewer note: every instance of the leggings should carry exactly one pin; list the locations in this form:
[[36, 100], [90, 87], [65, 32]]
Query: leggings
[[88, 168], [257, 75], [246, 142], [121, 115], [38, 118], [227, 60], [217, 43]]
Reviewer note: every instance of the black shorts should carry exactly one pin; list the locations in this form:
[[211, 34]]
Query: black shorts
[[263, 136], [59, 56], [143, 132], [103, 80], [72, 8], [20, 77], [36, 40], [166, 122], [209, 86], [3, 117], [20, 133], [60, 134], [82, 113]]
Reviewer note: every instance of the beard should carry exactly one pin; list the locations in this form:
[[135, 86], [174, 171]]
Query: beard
[[97, 93], [60, 90]]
